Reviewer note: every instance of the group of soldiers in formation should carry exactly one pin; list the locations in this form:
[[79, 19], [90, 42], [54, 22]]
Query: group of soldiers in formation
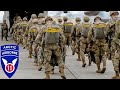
[[47, 41]]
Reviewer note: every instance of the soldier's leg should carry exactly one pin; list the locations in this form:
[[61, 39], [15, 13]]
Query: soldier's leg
[[35, 54], [97, 59], [69, 39], [73, 47], [78, 51], [116, 62], [24, 42], [6, 35], [60, 62], [82, 50], [47, 57], [2, 35], [103, 59], [30, 50], [40, 57]]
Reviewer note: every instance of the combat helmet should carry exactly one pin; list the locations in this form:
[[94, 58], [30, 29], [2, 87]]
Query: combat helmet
[[86, 19], [97, 17], [41, 15], [59, 20], [114, 12], [48, 18], [24, 19], [33, 16], [65, 18], [77, 19]]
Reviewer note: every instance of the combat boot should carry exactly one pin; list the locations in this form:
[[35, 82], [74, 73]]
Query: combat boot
[[84, 65], [62, 72], [99, 70], [103, 70], [39, 66], [116, 76], [47, 75]]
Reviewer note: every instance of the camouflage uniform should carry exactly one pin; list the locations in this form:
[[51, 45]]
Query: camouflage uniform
[[19, 32], [75, 38], [83, 39], [61, 26], [12, 30], [116, 59], [40, 56], [32, 33], [52, 48], [114, 28], [24, 32], [40, 17], [4, 29], [67, 27], [97, 34], [78, 35]]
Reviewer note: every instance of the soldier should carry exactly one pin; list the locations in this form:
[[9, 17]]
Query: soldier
[[24, 32], [116, 60], [33, 16], [40, 17], [51, 37], [40, 55], [113, 32], [97, 34], [110, 34], [67, 29], [19, 32], [83, 39], [33, 31], [75, 38], [12, 30], [4, 28], [60, 23]]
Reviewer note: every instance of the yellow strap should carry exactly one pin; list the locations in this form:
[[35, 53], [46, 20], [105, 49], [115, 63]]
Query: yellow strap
[[86, 25], [52, 30], [99, 25], [33, 30], [68, 24]]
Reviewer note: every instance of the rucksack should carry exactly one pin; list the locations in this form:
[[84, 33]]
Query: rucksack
[[99, 31], [85, 29], [68, 27], [52, 35]]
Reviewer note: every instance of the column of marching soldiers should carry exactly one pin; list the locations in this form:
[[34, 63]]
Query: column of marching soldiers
[[47, 41]]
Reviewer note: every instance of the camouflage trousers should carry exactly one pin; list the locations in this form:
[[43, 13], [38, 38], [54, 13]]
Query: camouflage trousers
[[78, 47], [110, 50], [73, 46], [4, 34], [48, 51], [19, 38], [67, 38], [83, 45], [25, 41], [116, 60], [14, 35], [99, 48]]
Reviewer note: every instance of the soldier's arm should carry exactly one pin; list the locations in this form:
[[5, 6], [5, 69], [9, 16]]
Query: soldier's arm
[[116, 39], [90, 33], [39, 35], [62, 37]]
